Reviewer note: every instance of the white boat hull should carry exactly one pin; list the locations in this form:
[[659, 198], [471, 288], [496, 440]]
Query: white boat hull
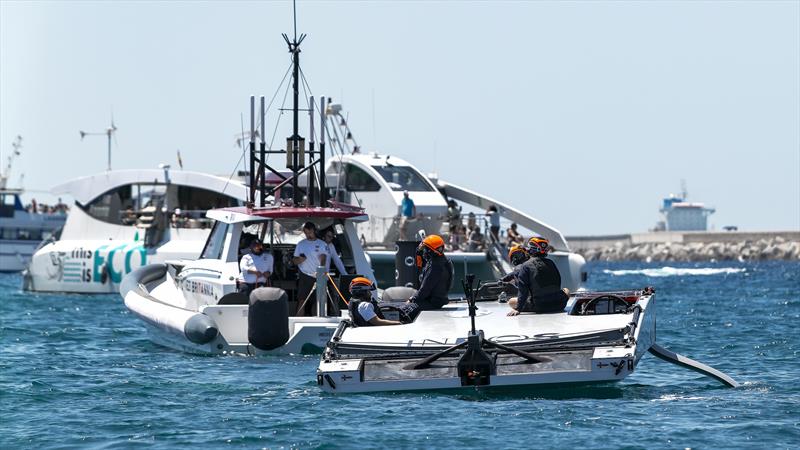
[[571, 349], [213, 329]]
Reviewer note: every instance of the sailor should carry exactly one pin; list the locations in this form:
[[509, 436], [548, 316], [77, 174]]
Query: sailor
[[363, 308], [256, 267], [408, 210], [517, 255], [309, 254], [333, 255], [538, 281], [437, 274]]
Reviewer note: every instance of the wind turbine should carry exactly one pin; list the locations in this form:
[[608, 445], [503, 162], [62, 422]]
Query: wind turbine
[[109, 132]]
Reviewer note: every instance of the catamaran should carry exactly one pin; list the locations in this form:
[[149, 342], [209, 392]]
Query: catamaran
[[472, 343]]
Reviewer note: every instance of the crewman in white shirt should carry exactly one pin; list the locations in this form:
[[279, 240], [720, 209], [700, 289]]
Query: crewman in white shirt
[[309, 254], [333, 256], [256, 267]]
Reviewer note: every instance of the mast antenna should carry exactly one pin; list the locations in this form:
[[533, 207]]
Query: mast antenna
[[296, 152]]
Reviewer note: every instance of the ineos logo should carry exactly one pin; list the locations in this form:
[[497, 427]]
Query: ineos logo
[[409, 261]]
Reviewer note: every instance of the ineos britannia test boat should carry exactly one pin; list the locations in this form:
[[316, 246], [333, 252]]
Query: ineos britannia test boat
[[599, 337]]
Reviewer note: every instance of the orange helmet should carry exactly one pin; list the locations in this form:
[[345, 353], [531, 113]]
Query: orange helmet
[[517, 254], [361, 285], [538, 246], [435, 243]]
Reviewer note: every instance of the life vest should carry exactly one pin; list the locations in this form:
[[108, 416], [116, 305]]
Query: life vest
[[355, 316]]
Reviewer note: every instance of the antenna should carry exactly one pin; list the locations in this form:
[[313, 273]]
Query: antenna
[[684, 192], [6, 174], [295, 151], [109, 133]]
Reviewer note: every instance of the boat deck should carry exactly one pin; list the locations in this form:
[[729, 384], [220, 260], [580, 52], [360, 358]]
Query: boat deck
[[451, 324]]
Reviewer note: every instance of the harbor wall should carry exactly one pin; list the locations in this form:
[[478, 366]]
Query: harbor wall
[[689, 246]]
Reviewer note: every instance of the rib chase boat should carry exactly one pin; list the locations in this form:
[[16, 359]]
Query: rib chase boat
[[599, 337], [195, 306]]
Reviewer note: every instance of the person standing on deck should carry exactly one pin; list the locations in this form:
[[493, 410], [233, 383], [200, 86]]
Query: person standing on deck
[[494, 222], [256, 267], [309, 254], [408, 210]]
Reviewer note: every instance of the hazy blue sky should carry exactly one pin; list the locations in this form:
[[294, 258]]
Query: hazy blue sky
[[585, 114]]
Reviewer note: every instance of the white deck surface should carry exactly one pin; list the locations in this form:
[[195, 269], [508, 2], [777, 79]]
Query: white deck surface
[[452, 323]]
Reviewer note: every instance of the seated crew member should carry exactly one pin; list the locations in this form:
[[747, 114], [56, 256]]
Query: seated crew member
[[363, 308], [437, 274], [309, 254], [539, 282], [256, 267], [517, 256]]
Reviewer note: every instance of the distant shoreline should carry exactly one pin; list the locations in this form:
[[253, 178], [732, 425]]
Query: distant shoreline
[[689, 246]]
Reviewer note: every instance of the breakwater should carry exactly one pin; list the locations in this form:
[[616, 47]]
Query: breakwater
[[689, 246]]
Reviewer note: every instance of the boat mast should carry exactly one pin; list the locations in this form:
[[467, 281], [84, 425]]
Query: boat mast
[[295, 146]]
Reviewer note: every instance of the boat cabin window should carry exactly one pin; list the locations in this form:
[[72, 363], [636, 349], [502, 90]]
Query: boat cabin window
[[133, 204], [215, 241], [404, 178], [358, 180], [8, 203]]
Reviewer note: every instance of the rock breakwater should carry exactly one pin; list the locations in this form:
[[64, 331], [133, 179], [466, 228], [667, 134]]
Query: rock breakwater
[[767, 248]]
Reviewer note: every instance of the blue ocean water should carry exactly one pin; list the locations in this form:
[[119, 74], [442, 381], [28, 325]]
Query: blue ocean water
[[78, 371]]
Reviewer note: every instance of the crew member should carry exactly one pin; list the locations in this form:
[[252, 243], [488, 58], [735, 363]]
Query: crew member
[[539, 282], [363, 308], [517, 255], [256, 267], [437, 274], [309, 254], [333, 255]]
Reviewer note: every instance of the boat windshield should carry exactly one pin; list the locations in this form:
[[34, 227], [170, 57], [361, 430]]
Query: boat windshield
[[404, 178], [284, 231]]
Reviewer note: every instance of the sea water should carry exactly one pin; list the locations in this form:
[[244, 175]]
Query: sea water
[[77, 371]]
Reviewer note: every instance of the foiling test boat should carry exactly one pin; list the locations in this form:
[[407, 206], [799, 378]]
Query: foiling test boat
[[599, 337], [194, 306]]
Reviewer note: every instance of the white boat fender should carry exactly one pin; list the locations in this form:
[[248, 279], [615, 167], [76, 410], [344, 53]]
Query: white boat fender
[[268, 318], [691, 364], [196, 327]]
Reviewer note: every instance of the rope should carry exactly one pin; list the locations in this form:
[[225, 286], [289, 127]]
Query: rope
[[337, 290]]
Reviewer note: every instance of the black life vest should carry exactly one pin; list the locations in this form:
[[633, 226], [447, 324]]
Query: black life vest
[[355, 316]]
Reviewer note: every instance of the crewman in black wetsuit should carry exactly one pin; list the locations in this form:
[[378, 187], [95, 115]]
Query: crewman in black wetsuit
[[538, 281], [363, 308], [517, 255], [437, 274]]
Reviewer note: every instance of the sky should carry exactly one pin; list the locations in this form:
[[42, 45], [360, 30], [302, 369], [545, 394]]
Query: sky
[[583, 114]]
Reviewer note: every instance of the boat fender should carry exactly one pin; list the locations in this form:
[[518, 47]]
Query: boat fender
[[268, 318], [397, 294], [200, 329]]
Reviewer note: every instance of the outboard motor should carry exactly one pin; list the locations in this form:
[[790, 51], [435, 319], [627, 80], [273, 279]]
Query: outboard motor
[[405, 267], [268, 318]]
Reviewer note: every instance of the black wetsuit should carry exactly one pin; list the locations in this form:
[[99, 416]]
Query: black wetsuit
[[437, 278], [539, 284]]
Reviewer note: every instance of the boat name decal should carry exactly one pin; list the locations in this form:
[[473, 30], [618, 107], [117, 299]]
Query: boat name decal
[[198, 287]]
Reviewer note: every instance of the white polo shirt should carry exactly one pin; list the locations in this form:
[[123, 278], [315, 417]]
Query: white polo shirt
[[366, 310], [261, 263], [312, 250]]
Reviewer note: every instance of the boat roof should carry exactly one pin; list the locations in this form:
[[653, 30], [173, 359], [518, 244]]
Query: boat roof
[[86, 189], [246, 214]]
